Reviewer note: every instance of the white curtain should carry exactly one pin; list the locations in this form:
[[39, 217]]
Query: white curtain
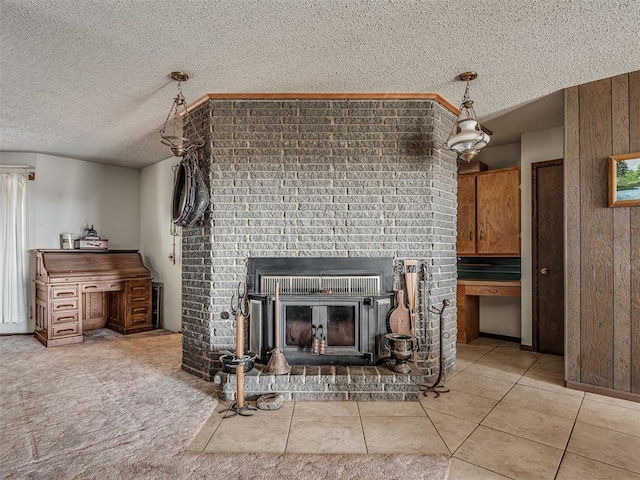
[[13, 248]]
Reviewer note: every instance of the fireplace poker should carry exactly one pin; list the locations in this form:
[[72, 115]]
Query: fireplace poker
[[239, 408], [277, 364], [436, 388]]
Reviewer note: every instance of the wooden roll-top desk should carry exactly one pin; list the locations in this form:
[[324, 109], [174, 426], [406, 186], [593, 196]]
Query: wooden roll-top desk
[[80, 290]]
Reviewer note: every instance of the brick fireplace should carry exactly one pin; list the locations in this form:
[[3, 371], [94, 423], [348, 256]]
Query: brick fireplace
[[321, 178]]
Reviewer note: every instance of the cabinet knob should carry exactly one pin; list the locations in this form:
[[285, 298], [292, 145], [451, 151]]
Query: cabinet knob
[[544, 271]]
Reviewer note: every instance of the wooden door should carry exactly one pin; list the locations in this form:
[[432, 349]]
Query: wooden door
[[498, 210], [548, 257], [466, 242]]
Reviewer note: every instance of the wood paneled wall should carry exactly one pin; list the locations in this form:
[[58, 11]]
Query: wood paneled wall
[[602, 283]]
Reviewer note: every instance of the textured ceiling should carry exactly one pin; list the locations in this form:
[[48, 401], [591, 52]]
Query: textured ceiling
[[89, 79]]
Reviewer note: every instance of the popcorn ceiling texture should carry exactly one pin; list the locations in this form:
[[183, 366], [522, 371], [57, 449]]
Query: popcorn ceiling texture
[[89, 80], [292, 178]]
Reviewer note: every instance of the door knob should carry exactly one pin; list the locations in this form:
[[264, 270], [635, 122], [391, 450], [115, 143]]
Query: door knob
[[544, 271]]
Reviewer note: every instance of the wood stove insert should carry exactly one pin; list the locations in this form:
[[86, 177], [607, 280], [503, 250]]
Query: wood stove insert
[[341, 302]]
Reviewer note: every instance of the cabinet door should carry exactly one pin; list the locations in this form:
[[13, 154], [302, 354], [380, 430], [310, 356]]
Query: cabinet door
[[498, 210], [466, 242]]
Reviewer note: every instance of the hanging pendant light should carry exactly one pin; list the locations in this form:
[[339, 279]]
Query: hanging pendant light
[[172, 131], [466, 137]]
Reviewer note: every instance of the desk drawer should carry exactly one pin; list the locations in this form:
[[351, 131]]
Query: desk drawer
[[64, 305], [101, 287], [65, 330], [68, 291], [64, 317], [492, 290]]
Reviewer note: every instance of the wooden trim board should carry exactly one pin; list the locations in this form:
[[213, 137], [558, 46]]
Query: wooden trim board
[[326, 96]]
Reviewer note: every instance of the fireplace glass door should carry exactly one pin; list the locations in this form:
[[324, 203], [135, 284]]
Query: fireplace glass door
[[336, 323]]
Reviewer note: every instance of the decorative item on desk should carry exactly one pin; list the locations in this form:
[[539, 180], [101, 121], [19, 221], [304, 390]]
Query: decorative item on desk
[[66, 241], [91, 240]]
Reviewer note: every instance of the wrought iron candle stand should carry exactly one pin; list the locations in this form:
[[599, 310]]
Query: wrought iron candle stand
[[240, 360]]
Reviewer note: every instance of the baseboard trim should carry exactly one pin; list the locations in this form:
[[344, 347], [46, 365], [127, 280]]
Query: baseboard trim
[[609, 392], [495, 336]]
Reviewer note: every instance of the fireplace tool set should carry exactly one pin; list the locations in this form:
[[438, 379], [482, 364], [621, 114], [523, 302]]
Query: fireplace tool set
[[277, 364], [240, 360], [403, 343]]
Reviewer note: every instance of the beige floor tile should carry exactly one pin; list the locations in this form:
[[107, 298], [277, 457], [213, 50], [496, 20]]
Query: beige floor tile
[[331, 408], [619, 402], [460, 404], [471, 354], [461, 470], [509, 455], [495, 370], [401, 435], [548, 381], [453, 430], [203, 436], [485, 342], [554, 403], [549, 364], [612, 417], [576, 467], [516, 359], [460, 365], [325, 434], [531, 424], [391, 409], [256, 434], [285, 409], [515, 348], [607, 446], [483, 386]]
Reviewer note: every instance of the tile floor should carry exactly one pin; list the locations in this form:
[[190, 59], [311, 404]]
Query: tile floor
[[507, 416]]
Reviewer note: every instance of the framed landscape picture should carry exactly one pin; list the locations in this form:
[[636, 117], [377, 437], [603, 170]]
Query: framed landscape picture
[[624, 180]]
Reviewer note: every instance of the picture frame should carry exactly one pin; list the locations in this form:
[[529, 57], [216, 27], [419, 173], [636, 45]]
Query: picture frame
[[624, 180]]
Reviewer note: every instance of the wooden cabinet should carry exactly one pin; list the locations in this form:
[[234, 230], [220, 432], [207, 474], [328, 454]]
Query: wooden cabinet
[[81, 290], [489, 213]]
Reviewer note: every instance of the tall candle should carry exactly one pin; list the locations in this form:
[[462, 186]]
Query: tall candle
[[276, 316], [240, 335]]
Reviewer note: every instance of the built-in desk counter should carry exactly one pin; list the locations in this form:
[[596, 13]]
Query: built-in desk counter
[[469, 305]]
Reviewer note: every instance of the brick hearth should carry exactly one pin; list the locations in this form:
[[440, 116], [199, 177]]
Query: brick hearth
[[328, 383]]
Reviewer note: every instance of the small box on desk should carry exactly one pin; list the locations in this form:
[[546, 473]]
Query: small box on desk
[[91, 244]]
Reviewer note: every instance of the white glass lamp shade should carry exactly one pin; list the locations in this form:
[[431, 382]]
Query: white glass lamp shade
[[468, 140]]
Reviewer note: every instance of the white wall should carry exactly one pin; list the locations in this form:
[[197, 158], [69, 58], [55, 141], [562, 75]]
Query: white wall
[[156, 242], [536, 146], [501, 157], [71, 194], [68, 194]]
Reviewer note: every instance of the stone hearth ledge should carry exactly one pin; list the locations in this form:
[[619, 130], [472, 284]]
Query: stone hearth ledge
[[355, 383]]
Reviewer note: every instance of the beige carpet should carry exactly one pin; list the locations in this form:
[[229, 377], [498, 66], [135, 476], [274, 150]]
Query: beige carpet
[[120, 407]]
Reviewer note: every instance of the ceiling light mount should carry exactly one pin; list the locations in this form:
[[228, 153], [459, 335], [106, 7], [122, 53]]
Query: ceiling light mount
[[466, 137], [172, 131], [179, 76]]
